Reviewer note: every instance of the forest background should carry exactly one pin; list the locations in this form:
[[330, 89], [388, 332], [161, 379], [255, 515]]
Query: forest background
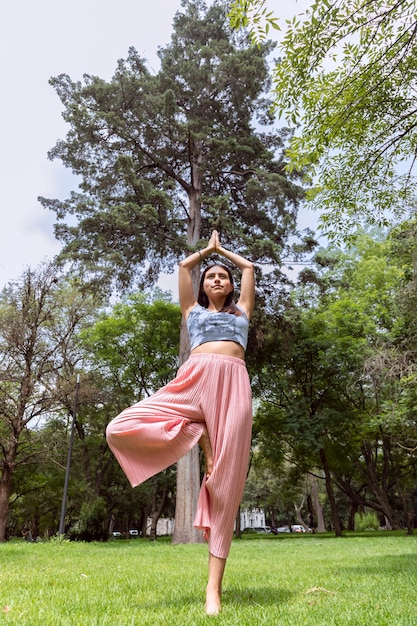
[[162, 159]]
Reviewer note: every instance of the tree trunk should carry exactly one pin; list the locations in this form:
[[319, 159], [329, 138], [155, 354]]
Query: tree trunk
[[111, 524], [298, 515], [5, 491], [376, 487], [318, 509], [353, 509], [238, 528], [188, 487], [157, 512], [330, 494], [188, 478], [188, 468]]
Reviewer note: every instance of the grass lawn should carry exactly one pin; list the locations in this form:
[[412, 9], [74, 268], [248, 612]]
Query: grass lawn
[[277, 581]]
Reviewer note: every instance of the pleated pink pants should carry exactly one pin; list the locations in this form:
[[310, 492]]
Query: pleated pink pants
[[149, 436]]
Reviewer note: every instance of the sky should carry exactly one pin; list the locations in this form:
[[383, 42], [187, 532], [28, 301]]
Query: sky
[[39, 40]]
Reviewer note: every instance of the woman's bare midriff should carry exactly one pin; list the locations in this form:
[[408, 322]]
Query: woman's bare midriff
[[228, 348]]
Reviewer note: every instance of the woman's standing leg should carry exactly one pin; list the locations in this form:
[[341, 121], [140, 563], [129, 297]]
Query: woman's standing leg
[[227, 409], [214, 585]]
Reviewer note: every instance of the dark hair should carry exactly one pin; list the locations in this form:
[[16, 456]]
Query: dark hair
[[229, 305]]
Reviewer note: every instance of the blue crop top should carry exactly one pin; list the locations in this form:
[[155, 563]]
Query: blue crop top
[[204, 325]]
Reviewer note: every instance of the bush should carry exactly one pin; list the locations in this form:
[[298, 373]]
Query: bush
[[91, 524], [366, 521]]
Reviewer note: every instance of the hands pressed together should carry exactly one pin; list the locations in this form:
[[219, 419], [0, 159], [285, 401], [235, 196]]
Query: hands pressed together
[[214, 242]]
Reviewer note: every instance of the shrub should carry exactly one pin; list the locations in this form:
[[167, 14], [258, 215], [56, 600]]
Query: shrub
[[91, 524], [366, 521]]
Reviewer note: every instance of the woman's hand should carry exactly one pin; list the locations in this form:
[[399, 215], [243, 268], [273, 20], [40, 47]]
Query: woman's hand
[[214, 243], [247, 283], [185, 282]]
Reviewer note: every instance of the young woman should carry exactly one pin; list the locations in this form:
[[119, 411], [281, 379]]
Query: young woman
[[208, 402]]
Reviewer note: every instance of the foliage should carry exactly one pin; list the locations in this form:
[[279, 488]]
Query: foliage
[[125, 351], [40, 316], [134, 349], [366, 521], [326, 406], [135, 346], [273, 490], [346, 79], [38, 485], [164, 158], [91, 524], [254, 16]]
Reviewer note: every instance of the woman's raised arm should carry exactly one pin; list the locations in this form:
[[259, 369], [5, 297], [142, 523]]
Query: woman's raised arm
[[185, 283], [247, 284]]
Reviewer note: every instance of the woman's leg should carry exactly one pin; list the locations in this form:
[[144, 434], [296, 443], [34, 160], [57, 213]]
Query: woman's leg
[[205, 445], [228, 416], [154, 433], [214, 585]]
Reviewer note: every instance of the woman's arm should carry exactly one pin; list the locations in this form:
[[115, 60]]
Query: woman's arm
[[185, 283], [247, 283]]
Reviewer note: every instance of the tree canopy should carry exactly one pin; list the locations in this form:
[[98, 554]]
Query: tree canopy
[[337, 385], [345, 79], [166, 157], [40, 317]]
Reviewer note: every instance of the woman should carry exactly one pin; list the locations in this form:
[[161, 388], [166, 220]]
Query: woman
[[208, 402]]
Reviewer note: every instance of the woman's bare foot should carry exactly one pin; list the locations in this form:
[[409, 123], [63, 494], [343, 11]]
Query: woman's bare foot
[[214, 585], [213, 601], [205, 445]]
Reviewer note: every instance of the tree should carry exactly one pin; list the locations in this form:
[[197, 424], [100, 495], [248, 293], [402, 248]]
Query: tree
[[164, 158], [39, 319], [332, 391], [346, 78], [392, 370], [134, 349], [126, 352], [135, 345]]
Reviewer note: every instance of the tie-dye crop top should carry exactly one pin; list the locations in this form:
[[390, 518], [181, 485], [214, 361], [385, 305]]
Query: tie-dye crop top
[[204, 325]]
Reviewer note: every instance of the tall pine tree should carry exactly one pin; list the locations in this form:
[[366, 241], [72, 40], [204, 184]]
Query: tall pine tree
[[166, 157]]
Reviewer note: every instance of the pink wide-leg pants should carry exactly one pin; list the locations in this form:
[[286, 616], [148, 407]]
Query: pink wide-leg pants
[[211, 390]]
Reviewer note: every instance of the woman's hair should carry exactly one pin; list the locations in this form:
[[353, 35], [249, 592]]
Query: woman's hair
[[229, 305]]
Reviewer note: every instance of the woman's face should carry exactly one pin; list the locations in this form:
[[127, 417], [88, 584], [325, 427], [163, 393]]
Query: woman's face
[[217, 283]]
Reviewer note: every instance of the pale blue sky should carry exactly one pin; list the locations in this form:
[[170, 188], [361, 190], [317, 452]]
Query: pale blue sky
[[43, 39]]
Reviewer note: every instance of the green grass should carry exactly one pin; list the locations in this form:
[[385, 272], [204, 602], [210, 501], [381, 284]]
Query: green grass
[[286, 581]]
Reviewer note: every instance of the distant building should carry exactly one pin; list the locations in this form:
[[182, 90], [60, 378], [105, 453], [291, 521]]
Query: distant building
[[252, 518], [164, 526], [249, 518]]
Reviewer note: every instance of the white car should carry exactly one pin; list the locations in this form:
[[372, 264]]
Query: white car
[[281, 529], [298, 528], [262, 529]]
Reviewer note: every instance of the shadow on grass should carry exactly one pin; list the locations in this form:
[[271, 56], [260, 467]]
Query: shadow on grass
[[346, 534], [264, 596], [232, 596], [393, 565]]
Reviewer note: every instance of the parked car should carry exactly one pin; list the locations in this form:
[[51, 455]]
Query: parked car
[[133, 533], [117, 534], [298, 528], [281, 529], [262, 529]]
